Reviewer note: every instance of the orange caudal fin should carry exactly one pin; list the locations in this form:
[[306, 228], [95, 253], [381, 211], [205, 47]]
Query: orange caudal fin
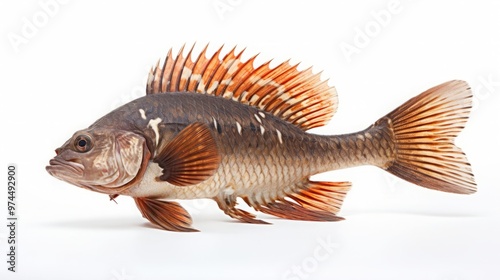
[[424, 129]]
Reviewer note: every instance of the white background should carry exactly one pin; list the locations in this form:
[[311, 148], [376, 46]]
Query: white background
[[64, 66]]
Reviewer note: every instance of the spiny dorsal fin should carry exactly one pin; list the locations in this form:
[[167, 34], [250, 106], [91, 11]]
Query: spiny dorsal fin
[[299, 97]]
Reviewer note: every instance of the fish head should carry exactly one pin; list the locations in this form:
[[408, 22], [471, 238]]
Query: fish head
[[101, 159]]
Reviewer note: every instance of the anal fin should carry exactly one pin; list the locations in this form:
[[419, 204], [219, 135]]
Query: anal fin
[[322, 196], [167, 215], [316, 201], [292, 211]]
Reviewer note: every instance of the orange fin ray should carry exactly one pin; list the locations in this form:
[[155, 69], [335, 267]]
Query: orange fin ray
[[167, 215], [424, 129], [178, 66], [232, 64], [322, 196], [207, 74], [190, 158], [227, 204], [193, 75], [293, 211], [313, 201], [299, 97], [167, 64]]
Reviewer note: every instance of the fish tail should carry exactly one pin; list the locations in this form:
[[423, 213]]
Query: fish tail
[[423, 130]]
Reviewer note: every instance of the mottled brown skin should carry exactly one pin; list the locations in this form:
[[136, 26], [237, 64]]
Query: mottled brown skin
[[178, 110], [256, 165]]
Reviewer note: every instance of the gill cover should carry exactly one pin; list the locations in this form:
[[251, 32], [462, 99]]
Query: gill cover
[[131, 156]]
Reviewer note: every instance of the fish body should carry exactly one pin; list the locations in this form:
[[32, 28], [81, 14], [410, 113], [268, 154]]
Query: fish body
[[260, 153], [222, 129]]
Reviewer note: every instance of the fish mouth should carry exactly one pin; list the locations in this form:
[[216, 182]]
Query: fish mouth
[[65, 169]]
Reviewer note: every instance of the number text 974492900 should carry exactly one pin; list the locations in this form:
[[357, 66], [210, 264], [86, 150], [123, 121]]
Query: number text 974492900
[[11, 218]]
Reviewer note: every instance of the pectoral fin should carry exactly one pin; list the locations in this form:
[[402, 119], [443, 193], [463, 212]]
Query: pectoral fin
[[190, 158], [168, 215]]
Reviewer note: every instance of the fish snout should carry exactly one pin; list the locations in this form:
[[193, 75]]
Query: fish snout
[[58, 166]]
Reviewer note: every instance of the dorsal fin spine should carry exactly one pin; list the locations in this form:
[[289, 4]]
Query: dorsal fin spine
[[296, 93], [217, 78], [192, 86], [176, 70], [267, 78], [299, 97], [228, 75], [292, 117], [150, 80], [241, 72], [307, 100], [207, 76], [278, 100], [218, 73], [295, 82], [167, 66], [310, 117], [247, 82], [287, 76], [156, 78], [188, 66]]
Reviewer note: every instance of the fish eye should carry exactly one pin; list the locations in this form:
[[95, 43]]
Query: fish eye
[[83, 143]]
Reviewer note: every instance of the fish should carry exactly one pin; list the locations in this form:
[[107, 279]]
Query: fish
[[219, 127]]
